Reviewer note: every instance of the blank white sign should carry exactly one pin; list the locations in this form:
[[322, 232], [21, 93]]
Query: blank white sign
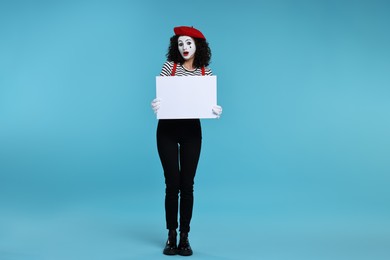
[[186, 97]]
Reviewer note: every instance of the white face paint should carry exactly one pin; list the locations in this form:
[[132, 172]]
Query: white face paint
[[187, 47]]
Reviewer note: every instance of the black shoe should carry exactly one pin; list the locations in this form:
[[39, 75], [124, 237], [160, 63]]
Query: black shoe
[[184, 247], [170, 247]]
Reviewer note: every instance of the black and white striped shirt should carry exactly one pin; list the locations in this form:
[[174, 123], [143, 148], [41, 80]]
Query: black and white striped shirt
[[181, 71]]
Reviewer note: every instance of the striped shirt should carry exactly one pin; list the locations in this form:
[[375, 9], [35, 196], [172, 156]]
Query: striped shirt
[[181, 71]]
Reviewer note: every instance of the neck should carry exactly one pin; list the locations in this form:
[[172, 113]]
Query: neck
[[189, 64]]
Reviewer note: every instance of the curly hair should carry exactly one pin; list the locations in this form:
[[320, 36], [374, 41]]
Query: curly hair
[[202, 53]]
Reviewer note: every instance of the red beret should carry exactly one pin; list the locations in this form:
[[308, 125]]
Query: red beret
[[188, 31]]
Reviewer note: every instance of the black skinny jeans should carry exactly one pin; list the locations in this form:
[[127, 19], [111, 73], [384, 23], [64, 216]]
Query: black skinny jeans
[[179, 142]]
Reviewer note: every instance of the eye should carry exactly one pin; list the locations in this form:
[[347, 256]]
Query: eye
[[189, 43], [180, 44]]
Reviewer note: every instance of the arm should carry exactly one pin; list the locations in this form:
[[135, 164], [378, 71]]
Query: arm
[[165, 71], [217, 110]]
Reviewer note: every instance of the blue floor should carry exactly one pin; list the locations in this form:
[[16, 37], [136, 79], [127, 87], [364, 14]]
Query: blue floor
[[121, 225]]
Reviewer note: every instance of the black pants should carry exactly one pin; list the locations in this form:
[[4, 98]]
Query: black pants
[[179, 143]]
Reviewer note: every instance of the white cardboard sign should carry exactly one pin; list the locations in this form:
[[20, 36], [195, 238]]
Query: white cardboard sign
[[186, 97]]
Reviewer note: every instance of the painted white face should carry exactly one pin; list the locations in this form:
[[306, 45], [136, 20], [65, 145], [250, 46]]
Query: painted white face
[[187, 47]]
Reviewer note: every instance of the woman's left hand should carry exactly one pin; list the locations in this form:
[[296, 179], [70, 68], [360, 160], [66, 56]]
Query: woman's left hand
[[217, 110]]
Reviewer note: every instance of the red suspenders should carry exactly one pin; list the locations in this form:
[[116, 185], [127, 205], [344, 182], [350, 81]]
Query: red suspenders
[[174, 69], [175, 66]]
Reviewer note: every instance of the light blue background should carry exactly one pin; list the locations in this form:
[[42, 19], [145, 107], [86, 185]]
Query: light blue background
[[296, 168]]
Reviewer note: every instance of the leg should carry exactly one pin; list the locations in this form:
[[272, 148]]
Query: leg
[[168, 152], [189, 157]]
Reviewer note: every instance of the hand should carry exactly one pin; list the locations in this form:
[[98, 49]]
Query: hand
[[155, 105], [217, 110]]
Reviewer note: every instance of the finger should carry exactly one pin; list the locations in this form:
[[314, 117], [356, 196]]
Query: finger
[[217, 111]]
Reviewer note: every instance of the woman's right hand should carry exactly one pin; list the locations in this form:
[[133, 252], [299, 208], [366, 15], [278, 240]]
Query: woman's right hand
[[155, 104]]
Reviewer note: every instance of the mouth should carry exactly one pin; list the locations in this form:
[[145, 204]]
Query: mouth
[[185, 53]]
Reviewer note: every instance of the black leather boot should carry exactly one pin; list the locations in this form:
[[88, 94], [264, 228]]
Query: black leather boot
[[184, 247], [171, 246]]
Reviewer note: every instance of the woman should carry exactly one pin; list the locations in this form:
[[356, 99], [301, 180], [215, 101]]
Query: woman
[[179, 140]]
